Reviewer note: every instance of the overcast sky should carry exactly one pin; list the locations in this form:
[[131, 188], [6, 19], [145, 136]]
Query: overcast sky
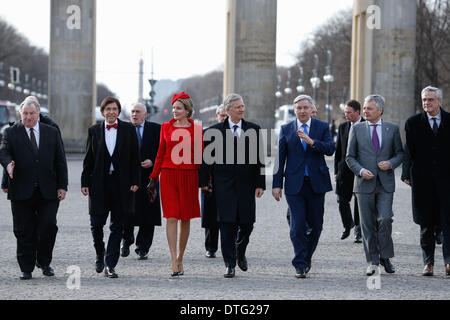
[[188, 37]]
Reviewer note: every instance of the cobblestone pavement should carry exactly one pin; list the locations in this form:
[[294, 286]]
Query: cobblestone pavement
[[338, 267]]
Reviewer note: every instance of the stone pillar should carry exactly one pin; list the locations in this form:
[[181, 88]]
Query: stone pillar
[[72, 84], [250, 68], [383, 55]]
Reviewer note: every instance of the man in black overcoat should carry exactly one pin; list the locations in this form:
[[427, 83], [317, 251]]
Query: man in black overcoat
[[237, 172], [110, 177], [146, 215], [427, 140], [33, 156]]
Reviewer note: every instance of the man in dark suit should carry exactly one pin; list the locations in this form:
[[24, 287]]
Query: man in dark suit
[[42, 119], [343, 175], [209, 206], [374, 151], [110, 178], [33, 156], [301, 148], [146, 215], [238, 177], [427, 141]]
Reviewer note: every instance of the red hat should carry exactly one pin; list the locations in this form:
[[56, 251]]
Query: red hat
[[179, 96]]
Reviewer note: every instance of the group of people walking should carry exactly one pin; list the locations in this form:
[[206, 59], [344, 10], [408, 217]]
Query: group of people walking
[[129, 169]]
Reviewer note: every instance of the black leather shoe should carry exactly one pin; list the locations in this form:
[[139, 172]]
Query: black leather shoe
[[345, 234], [48, 271], [99, 264], [388, 267], [229, 272], [358, 240], [142, 255], [242, 263], [210, 254], [300, 273], [124, 250], [26, 276], [110, 272]]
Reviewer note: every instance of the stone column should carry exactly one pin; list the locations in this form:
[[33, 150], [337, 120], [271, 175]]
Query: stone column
[[383, 55], [72, 84], [250, 68]]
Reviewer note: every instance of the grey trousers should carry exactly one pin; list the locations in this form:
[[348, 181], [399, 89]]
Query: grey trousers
[[375, 210]]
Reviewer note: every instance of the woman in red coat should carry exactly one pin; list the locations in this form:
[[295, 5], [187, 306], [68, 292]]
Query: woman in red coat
[[178, 160]]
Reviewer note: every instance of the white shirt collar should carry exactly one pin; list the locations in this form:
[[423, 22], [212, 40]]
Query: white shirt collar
[[232, 124], [438, 116], [308, 123]]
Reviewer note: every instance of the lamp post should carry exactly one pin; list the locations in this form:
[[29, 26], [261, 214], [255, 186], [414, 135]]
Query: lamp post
[[278, 93], [288, 89], [328, 78], [2, 79], [300, 88], [315, 80]]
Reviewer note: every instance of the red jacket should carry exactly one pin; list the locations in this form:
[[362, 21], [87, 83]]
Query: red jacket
[[188, 145]]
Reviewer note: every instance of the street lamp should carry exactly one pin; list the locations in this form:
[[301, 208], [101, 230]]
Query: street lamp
[[328, 78], [300, 88], [288, 89], [315, 80], [278, 93]]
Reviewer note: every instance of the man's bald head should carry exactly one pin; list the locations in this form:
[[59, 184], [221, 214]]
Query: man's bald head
[[138, 114]]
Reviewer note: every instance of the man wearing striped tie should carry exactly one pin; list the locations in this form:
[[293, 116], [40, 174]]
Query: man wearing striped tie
[[374, 151]]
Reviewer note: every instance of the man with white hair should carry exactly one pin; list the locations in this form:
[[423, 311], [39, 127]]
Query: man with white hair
[[146, 215], [374, 150], [427, 139], [33, 156]]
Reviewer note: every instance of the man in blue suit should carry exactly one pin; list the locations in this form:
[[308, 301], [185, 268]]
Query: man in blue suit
[[302, 146]]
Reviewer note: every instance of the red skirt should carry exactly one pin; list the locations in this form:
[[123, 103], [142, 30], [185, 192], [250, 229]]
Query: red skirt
[[179, 193]]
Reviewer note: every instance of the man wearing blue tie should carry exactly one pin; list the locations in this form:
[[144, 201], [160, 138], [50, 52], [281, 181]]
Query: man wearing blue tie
[[302, 146]]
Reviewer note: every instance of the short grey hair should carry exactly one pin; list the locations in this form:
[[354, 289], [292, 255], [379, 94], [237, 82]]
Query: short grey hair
[[379, 100], [30, 102], [304, 97], [433, 89], [230, 98], [220, 109]]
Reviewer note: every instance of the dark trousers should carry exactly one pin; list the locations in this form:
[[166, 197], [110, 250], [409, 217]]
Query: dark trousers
[[428, 241], [346, 213], [112, 204], [34, 225], [234, 239], [144, 238], [307, 209], [211, 239]]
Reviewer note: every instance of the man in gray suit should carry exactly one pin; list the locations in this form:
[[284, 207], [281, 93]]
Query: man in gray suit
[[374, 151]]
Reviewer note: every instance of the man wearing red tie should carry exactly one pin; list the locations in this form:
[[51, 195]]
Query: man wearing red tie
[[110, 178]]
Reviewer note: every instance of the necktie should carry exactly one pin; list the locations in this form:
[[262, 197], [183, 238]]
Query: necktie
[[33, 141], [435, 126], [235, 127], [138, 131], [109, 126], [305, 130], [375, 139]]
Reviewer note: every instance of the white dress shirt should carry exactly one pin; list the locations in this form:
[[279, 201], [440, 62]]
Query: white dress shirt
[[238, 130], [110, 139], [36, 133], [308, 126], [431, 122]]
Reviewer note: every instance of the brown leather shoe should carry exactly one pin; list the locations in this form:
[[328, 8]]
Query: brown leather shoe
[[428, 270], [447, 269]]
